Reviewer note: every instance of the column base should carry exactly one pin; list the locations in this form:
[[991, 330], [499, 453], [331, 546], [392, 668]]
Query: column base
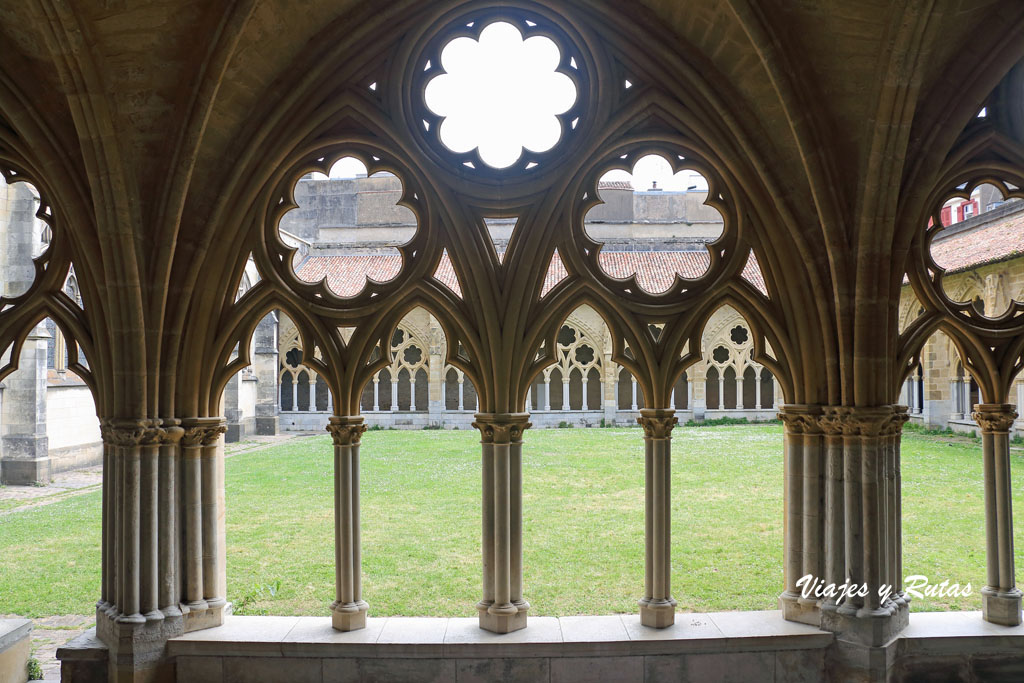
[[497, 619], [874, 628], [802, 611], [25, 472], [197, 616], [660, 613], [349, 616], [1001, 607]]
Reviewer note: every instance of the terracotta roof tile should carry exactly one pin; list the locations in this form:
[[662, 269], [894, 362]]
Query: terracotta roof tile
[[987, 244], [656, 270], [614, 185]]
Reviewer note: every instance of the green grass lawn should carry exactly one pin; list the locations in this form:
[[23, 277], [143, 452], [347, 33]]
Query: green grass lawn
[[583, 524]]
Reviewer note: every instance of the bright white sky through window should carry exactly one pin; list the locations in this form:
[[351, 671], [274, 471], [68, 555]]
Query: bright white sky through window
[[502, 94]]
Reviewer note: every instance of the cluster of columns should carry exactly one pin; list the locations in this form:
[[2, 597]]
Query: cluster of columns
[[842, 520], [163, 532], [502, 608]]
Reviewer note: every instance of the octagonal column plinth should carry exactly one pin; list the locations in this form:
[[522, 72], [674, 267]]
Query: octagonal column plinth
[[502, 608], [657, 607], [348, 611], [1000, 598]]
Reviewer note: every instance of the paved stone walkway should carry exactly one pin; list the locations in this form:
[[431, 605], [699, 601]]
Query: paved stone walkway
[[49, 633]]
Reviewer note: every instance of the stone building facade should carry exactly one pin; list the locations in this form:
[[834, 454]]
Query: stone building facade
[[982, 252]]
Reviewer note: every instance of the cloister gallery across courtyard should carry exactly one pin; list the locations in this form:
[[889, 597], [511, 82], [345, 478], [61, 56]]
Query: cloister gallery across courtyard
[[228, 219]]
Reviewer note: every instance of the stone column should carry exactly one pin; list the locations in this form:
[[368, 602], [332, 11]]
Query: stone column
[[547, 394], [348, 611], [609, 389], [689, 394], [394, 393], [721, 391], [565, 394], [739, 391], [502, 608], [803, 502], [632, 381], [462, 394], [266, 367], [169, 551], [203, 552], [1000, 598], [757, 389], [412, 393], [376, 393], [586, 404], [26, 458], [657, 607]]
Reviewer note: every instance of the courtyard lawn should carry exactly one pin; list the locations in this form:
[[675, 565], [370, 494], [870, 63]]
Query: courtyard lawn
[[583, 524]]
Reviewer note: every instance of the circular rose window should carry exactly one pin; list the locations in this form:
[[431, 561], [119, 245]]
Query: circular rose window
[[500, 94]]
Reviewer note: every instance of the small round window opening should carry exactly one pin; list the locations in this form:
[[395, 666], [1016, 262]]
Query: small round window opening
[[499, 93]]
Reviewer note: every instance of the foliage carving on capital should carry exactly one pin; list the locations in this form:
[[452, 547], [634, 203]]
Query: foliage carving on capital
[[657, 426], [502, 429], [202, 434], [995, 418], [875, 421], [124, 433], [801, 419], [346, 432]]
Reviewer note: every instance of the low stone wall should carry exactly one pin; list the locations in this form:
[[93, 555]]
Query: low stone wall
[[293, 421], [15, 649]]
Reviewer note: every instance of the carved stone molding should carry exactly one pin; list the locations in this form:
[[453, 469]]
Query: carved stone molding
[[995, 418], [873, 421], [801, 418], [170, 431], [202, 431], [502, 427], [125, 432], [657, 423], [346, 431]]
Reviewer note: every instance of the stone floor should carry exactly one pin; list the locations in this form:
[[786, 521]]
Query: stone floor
[[49, 633]]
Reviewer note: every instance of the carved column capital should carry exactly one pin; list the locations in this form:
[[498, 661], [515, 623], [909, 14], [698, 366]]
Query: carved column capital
[[801, 418], [995, 418], [657, 423], [202, 431], [170, 431], [346, 431], [872, 421], [502, 427], [125, 432]]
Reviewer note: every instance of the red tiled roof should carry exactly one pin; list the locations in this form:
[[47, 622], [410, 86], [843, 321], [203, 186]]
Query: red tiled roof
[[987, 244], [656, 270], [614, 185]]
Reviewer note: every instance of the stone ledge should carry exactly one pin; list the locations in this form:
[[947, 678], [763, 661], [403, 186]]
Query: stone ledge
[[12, 631], [84, 648], [428, 637]]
